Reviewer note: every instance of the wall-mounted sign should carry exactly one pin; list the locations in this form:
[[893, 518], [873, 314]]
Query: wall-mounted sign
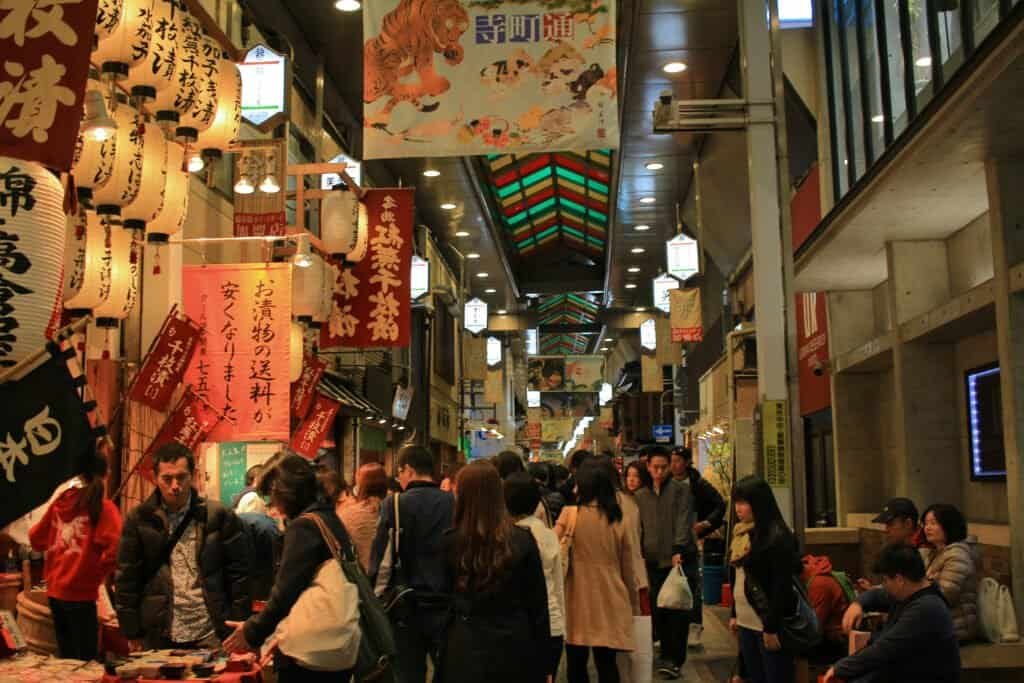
[[532, 399], [683, 257], [402, 401], [264, 85], [475, 316], [419, 281], [649, 334], [663, 284], [532, 343], [493, 351], [353, 168]]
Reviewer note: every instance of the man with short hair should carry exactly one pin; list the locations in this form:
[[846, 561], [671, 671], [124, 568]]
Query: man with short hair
[[667, 515], [901, 526], [183, 566], [425, 513], [917, 643]]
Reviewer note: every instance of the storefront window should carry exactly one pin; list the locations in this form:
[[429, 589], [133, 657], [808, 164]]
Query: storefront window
[[950, 36], [986, 16]]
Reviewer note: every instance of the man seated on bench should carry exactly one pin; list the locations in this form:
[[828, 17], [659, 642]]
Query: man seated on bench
[[917, 644]]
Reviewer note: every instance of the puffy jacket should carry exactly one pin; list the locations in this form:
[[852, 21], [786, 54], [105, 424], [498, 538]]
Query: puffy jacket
[[954, 571], [666, 522], [145, 590]]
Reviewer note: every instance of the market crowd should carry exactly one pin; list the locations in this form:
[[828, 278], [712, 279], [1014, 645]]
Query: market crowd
[[503, 571]]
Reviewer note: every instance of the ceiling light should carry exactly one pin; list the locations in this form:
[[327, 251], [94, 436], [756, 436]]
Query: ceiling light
[[923, 62], [634, 269], [383, 420], [97, 123], [462, 233], [654, 166], [641, 228], [877, 118], [269, 185], [640, 309], [447, 206], [674, 68], [431, 173], [647, 200], [605, 349], [490, 290], [196, 163], [637, 250], [630, 285], [502, 311], [244, 185], [472, 255], [348, 5], [482, 274]]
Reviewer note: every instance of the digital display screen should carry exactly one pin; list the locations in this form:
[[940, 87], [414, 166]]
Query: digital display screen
[[985, 423]]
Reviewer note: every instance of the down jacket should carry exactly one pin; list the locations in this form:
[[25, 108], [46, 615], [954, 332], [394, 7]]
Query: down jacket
[[144, 588], [954, 571]]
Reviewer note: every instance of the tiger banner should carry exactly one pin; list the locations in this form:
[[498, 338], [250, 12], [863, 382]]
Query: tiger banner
[[471, 77]]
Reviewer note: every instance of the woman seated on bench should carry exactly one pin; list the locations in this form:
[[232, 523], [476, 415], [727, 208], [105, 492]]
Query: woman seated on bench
[[951, 563]]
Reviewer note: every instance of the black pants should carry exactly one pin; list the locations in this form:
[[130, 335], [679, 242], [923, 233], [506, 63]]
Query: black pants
[[671, 626], [576, 657], [418, 634], [77, 629], [290, 671], [556, 645]]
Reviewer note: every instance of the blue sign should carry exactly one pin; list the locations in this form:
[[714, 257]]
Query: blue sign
[[662, 433]]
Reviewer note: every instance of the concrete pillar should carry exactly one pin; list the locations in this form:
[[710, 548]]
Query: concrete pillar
[[1006, 213]]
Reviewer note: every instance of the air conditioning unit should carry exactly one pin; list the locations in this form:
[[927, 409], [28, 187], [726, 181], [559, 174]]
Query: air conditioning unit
[[700, 116]]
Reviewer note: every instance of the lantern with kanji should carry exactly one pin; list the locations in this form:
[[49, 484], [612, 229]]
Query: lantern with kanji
[[94, 157], [340, 222], [295, 351], [307, 289], [126, 175], [126, 44], [108, 18], [150, 200], [228, 120], [159, 70], [171, 217], [86, 262], [172, 101], [124, 284], [201, 111], [31, 257]]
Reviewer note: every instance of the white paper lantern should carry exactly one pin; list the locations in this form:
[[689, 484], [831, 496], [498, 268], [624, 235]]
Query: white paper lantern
[[188, 35], [339, 222], [127, 44], [295, 350], [123, 290], [326, 300], [126, 176], [94, 161], [228, 119], [362, 236], [108, 18], [95, 286], [201, 91], [150, 200], [31, 258], [307, 289], [160, 69], [171, 218]]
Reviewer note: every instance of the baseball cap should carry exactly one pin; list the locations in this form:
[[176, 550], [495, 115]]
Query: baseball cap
[[897, 507]]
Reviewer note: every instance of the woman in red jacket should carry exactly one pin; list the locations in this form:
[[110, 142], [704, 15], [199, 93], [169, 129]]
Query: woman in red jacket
[[79, 533]]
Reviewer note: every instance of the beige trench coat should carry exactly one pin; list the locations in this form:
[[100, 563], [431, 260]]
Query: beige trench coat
[[600, 595]]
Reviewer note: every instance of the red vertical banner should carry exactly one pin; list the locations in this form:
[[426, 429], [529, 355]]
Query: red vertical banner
[[188, 424], [46, 46], [164, 367], [311, 433], [304, 388], [813, 349], [242, 365], [371, 298]]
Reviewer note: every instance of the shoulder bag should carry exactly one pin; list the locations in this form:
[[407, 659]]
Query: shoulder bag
[[398, 594], [565, 543], [800, 631]]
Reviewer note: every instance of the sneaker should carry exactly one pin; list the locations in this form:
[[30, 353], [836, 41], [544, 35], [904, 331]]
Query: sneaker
[[669, 672], [696, 632]]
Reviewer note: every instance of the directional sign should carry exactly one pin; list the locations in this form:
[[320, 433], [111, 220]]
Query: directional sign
[[662, 433]]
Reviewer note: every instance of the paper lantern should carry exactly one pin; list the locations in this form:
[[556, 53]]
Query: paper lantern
[[171, 217], [362, 236], [127, 44], [228, 119], [94, 160], [31, 258], [200, 93], [339, 222], [150, 200], [171, 101], [94, 269], [123, 288], [108, 18], [307, 289], [160, 69], [326, 301], [126, 175], [295, 351]]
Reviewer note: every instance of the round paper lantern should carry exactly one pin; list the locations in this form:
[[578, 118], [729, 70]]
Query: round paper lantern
[[126, 176], [307, 289], [295, 351], [171, 217], [127, 44], [228, 120], [339, 222], [160, 69], [31, 258], [188, 36], [150, 200], [123, 288], [94, 160], [201, 92], [108, 18], [95, 267], [362, 236]]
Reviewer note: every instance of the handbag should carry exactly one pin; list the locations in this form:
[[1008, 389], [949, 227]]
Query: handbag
[[565, 542], [398, 594], [800, 631], [675, 593]]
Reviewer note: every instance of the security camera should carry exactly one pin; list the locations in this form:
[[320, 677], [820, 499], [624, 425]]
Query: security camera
[[665, 97], [820, 368]]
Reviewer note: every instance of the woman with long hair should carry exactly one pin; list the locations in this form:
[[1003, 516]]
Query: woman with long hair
[[951, 560], [601, 564], [79, 533], [764, 558], [500, 597], [296, 492], [637, 477], [361, 514]]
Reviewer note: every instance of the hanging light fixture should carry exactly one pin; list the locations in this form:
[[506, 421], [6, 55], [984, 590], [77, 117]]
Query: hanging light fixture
[[269, 184], [228, 120], [244, 185], [152, 188], [339, 222], [196, 163], [97, 124], [127, 44], [303, 257], [94, 159]]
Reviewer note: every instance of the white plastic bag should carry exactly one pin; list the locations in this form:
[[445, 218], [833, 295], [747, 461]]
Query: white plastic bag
[[675, 592], [996, 614]]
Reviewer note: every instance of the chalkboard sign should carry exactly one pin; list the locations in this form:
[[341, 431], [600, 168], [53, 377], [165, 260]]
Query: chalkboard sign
[[232, 470]]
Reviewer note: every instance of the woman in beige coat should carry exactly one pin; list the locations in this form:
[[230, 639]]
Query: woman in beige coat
[[600, 588], [952, 566]]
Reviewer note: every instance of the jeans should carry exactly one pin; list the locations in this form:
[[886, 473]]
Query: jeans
[[77, 629], [764, 666], [577, 656], [672, 627], [556, 645], [418, 634]]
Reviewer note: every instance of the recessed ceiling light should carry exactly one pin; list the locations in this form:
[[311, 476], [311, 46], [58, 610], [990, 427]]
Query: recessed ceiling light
[[447, 206], [472, 255], [634, 269], [630, 285], [640, 309], [923, 62], [878, 118], [462, 233], [637, 250], [654, 166], [641, 228], [490, 290], [647, 200], [348, 5], [431, 173], [502, 311], [674, 68], [482, 274], [605, 349]]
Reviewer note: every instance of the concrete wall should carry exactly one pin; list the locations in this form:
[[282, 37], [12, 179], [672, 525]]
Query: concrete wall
[[970, 255]]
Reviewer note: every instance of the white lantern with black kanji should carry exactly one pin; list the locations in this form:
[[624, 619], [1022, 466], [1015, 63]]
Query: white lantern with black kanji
[[150, 199], [326, 301], [295, 351], [32, 229], [88, 258], [228, 120], [339, 222], [127, 44], [171, 218], [172, 101], [126, 176], [362, 236], [124, 284], [108, 18], [307, 289], [160, 69], [94, 159], [202, 92]]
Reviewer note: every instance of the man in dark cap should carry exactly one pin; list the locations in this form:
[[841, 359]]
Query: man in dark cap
[[901, 522]]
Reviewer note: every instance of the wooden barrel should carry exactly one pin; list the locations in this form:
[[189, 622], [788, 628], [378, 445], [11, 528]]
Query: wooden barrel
[[36, 623], [10, 586]]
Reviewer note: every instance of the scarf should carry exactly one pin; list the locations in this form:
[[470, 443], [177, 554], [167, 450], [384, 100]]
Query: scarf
[[740, 546]]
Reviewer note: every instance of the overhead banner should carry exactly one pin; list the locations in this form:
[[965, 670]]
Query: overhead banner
[[46, 48], [470, 77], [651, 378], [45, 431], [685, 316], [371, 298], [568, 404], [242, 366], [584, 373], [556, 429], [164, 368], [304, 387], [311, 433], [188, 424]]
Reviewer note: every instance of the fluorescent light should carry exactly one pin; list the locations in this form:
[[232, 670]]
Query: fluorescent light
[[605, 349], [502, 311], [630, 285], [431, 173], [633, 269], [462, 233], [482, 274], [637, 250], [447, 206], [490, 290], [878, 118], [923, 62], [640, 309], [674, 68], [654, 166], [348, 5], [641, 228], [472, 255], [647, 200]]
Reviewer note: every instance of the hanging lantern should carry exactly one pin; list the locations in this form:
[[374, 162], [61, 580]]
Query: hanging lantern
[[171, 218], [339, 222], [123, 288], [150, 200], [307, 289], [94, 159], [228, 120], [295, 351], [87, 262], [31, 258], [108, 18], [127, 44], [160, 68], [126, 175], [325, 302], [203, 92], [171, 101], [362, 236]]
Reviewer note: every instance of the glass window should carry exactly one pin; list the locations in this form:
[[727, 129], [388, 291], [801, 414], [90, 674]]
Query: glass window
[[986, 16], [871, 62], [853, 100], [897, 82], [839, 152], [949, 36], [921, 51]]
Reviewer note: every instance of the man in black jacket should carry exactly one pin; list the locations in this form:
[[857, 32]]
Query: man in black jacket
[[164, 598], [917, 644], [425, 512]]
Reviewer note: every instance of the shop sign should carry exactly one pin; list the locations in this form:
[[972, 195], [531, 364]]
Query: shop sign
[[189, 424], [242, 366], [403, 400], [475, 316], [42, 77], [261, 212], [371, 298], [419, 278], [662, 285], [304, 387], [775, 437], [649, 334], [685, 315], [682, 257], [264, 86], [532, 343], [353, 168], [813, 350], [493, 351], [165, 364], [311, 433]]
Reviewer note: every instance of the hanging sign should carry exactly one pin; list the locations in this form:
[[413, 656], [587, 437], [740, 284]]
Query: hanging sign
[[419, 278], [371, 298], [813, 349], [493, 351], [242, 366], [353, 168], [304, 388], [532, 342], [46, 49], [607, 419], [682, 256], [662, 433], [475, 316], [463, 78], [556, 429], [662, 285], [649, 334], [264, 86], [188, 424], [651, 377], [775, 437], [584, 373], [164, 367], [44, 433], [311, 433], [685, 315], [258, 197], [402, 402], [532, 399]]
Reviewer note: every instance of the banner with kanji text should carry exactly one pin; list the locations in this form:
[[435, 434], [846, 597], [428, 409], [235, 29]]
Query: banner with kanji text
[[164, 367], [685, 315], [304, 388], [188, 424], [318, 423]]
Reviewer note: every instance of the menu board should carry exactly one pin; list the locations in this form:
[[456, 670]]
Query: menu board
[[233, 464]]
